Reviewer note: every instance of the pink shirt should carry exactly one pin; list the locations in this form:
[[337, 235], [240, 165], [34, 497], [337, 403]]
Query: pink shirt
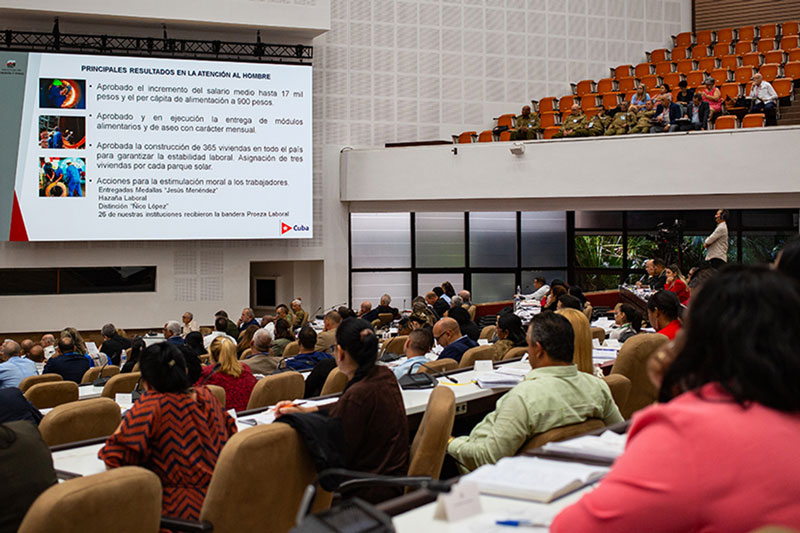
[[704, 465]]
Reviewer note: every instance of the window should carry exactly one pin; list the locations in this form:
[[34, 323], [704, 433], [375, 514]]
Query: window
[[493, 240], [77, 280], [380, 240], [440, 239]]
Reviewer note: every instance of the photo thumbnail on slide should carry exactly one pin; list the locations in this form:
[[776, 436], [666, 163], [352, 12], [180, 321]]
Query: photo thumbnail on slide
[[62, 132], [57, 93], [62, 176]]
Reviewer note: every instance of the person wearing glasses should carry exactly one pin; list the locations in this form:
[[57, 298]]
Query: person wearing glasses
[[448, 334]]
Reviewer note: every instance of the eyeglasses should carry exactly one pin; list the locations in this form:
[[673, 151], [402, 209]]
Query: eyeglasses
[[442, 334]]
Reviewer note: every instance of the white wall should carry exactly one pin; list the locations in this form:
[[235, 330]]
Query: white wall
[[679, 170]]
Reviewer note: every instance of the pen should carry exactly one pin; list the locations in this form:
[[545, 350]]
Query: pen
[[520, 523]]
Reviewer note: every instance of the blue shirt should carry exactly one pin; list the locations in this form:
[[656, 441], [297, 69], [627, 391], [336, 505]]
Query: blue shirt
[[70, 366], [306, 361], [15, 370], [56, 141], [73, 175], [456, 349]]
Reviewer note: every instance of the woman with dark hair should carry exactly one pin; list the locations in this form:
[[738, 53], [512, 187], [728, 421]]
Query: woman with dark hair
[[788, 260], [283, 336], [192, 349], [719, 453], [556, 292], [675, 283], [137, 347], [629, 320], [373, 418], [663, 309], [245, 337], [577, 292], [449, 292], [174, 430], [509, 334]]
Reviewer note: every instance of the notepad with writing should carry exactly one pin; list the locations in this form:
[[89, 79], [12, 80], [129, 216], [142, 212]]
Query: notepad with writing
[[534, 478]]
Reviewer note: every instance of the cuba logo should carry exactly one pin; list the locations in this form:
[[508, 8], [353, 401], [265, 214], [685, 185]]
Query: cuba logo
[[11, 63], [285, 228]]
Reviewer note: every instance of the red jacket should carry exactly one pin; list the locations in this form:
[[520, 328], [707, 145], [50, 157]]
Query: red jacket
[[680, 289]]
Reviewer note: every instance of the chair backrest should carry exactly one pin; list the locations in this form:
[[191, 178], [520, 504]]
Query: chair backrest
[[790, 28], [699, 51], [695, 78], [519, 351], [504, 136], [768, 31], [775, 56], [292, 349], [620, 388], [599, 334], [684, 66], [272, 389], [626, 84], [478, 353], [783, 86], [440, 365], [550, 131], [789, 41], [746, 33], [485, 136], [430, 443], [707, 63], [793, 54], [395, 344], [725, 122], [82, 504], [238, 499], [548, 119], [605, 85], [765, 45], [94, 373], [672, 79], [466, 137], [506, 120], [565, 103], [658, 55], [642, 69], [30, 381], [51, 394], [743, 74], [681, 52], [548, 104], [743, 47], [726, 35], [588, 101], [722, 49], [562, 433], [730, 62], [385, 318], [792, 70], [472, 310], [622, 71], [611, 100], [121, 383], [704, 37], [487, 332], [664, 67], [720, 75], [74, 421], [334, 383], [770, 71], [683, 39], [584, 87], [631, 362], [753, 120], [219, 393]]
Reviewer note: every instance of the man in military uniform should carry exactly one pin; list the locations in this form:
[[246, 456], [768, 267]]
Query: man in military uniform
[[597, 125], [574, 124], [622, 121], [643, 121], [528, 125]]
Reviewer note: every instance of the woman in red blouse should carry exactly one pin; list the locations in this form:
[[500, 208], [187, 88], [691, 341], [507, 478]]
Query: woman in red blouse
[[676, 283], [174, 430], [663, 309], [227, 372]]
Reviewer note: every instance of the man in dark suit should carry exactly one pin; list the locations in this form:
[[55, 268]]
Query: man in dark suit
[[696, 116], [667, 115], [68, 363], [465, 323], [448, 334], [438, 305], [113, 343], [383, 308]]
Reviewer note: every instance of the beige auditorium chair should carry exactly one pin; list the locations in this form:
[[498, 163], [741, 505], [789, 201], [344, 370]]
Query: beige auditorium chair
[[478, 353], [519, 351], [334, 383], [440, 365], [620, 387], [487, 332], [83, 504], [30, 381], [272, 389], [94, 373], [631, 362], [218, 392], [76, 421], [430, 442], [121, 384], [562, 433], [292, 349], [395, 345], [599, 334], [52, 394]]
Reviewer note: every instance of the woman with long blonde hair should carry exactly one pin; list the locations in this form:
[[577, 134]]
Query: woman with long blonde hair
[[226, 371], [582, 354]]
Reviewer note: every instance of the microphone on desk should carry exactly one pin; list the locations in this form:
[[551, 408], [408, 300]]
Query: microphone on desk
[[437, 373], [421, 380], [314, 314], [100, 381]]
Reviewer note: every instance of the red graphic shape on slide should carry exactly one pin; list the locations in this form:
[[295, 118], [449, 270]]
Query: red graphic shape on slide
[[285, 228], [17, 231]]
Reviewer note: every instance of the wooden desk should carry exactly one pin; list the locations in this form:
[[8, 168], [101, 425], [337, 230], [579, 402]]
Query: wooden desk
[[627, 296]]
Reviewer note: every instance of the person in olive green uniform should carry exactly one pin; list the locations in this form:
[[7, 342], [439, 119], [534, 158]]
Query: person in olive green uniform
[[622, 121], [574, 124], [643, 117], [527, 125], [298, 314], [597, 125]]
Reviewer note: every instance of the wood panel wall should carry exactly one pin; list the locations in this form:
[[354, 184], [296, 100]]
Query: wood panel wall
[[714, 14]]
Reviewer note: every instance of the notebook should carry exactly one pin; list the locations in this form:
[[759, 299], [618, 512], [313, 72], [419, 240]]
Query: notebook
[[606, 447], [534, 478]]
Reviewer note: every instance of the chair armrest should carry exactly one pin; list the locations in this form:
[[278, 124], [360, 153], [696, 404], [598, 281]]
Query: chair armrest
[[190, 526]]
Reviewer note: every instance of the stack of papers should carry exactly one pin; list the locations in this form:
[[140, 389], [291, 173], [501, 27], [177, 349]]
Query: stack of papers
[[605, 447], [501, 378], [603, 355], [534, 478], [268, 415]]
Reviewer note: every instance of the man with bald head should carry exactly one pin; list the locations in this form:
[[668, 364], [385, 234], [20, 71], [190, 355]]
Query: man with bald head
[[574, 124], [36, 354], [48, 343], [448, 334], [260, 360], [763, 99], [25, 347], [527, 124], [16, 368]]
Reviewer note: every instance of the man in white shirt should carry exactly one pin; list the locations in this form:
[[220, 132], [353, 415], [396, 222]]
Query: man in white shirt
[[540, 289], [716, 244], [220, 326], [189, 324], [763, 99]]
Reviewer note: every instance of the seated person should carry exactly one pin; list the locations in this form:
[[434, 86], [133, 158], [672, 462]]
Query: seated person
[[527, 125], [220, 328], [574, 124], [663, 309], [696, 115], [307, 358], [448, 334], [383, 308], [465, 323], [763, 99], [639, 98], [15, 368], [261, 361], [540, 289], [227, 372], [597, 125], [644, 118], [667, 115], [726, 429], [622, 121], [629, 320], [283, 336], [568, 301], [556, 292], [14, 406], [113, 343], [712, 96], [676, 283], [299, 318], [656, 276], [174, 430], [137, 347], [581, 339], [554, 394], [685, 94], [370, 411], [67, 362], [418, 352], [509, 334], [788, 260]]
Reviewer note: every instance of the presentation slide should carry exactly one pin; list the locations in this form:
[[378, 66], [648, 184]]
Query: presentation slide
[[126, 148]]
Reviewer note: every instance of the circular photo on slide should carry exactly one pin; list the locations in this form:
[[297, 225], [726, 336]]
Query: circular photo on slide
[[62, 177], [62, 132], [62, 94]]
